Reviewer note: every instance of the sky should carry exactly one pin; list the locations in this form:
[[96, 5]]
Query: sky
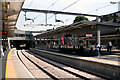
[[96, 7]]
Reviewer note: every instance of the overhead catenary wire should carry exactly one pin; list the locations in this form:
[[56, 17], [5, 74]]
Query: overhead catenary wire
[[71, 4], [99, 8], [93, 10], [63, 9], [30, 4], [48, 8], [53, 4], [28, 8]]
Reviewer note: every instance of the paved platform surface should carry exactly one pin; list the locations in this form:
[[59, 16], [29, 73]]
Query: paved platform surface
[[15, 68], [104, 59], [115, 56]]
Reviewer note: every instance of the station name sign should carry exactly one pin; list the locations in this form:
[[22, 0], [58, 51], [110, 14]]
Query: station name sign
[[88, 35]]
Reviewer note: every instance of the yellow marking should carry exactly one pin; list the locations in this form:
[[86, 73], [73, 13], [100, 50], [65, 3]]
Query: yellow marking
[[101, 60], [113, 55], [10, 70]]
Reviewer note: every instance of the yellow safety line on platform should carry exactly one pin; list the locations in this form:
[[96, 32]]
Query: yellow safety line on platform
[[10, 72], [113, 55], [102, 60]]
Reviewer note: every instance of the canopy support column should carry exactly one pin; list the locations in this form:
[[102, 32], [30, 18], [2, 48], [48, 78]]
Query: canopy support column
[[98, 35]]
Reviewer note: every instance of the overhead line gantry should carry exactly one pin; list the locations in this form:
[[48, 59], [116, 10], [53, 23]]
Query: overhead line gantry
[[57, 12]]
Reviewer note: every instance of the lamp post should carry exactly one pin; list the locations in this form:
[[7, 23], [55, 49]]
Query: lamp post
[[116, 3]]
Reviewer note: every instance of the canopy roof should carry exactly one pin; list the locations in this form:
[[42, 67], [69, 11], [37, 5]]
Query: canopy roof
[[83, 27], [10, 13]]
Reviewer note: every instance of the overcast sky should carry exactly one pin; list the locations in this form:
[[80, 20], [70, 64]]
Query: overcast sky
[[97, 7]]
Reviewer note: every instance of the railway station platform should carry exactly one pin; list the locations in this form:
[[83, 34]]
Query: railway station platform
[[114, 56], [15, 68]]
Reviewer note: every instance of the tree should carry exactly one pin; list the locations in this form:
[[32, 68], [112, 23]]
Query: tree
[[80, 18], [60, 27], [15, 27]]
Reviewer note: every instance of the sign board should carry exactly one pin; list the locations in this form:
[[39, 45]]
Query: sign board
[[88, 35]]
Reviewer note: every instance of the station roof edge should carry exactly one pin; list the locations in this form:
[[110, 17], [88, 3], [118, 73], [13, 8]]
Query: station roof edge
[[82, 23]]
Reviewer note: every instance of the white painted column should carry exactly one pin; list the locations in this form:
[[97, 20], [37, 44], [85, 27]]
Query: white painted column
[[98, 35]]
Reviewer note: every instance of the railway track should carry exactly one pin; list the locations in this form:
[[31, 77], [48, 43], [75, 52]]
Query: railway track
[[54, 69], [50, 70]]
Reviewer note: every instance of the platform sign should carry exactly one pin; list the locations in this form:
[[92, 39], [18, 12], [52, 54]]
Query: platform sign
[[88, 35]]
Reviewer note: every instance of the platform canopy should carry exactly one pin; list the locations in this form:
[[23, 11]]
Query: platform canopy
[[10, 13], [81, 28]]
